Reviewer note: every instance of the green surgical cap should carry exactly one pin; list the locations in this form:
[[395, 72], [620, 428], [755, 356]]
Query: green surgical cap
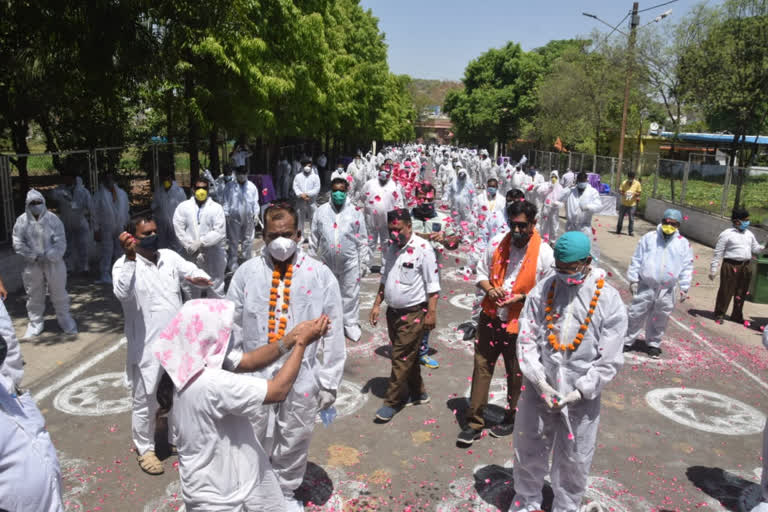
[[572, 246], [673, 214]]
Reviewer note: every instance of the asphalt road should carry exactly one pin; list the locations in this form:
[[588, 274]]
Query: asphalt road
[[680, 433]]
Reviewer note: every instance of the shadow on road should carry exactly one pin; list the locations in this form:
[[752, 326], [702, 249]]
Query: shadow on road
[[317, 486], [733, 492], [376, 386]]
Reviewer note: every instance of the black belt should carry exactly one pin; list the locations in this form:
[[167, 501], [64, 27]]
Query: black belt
[[410, 309], [735, 262]]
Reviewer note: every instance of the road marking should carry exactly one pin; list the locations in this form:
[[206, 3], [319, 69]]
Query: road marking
[[75, 373], [98, 395], [696, 335]]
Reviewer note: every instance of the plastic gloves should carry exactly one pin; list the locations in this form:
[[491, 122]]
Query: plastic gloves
[[548, 393], [326, 398], [633, 288], [194, 247], [570, 398]]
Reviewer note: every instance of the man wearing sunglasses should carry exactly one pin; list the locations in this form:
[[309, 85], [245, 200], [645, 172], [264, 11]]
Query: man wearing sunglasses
[[663, 260]]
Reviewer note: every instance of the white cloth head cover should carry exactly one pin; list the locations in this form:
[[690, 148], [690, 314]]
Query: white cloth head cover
[[197, 337]]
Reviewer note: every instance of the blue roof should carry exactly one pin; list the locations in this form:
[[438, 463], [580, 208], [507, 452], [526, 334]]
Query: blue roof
[[723, 138]]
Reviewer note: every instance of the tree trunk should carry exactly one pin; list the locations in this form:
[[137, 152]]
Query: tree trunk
[[50, 141], [194, 131], [19, 131], [214, 163], [740, 173]]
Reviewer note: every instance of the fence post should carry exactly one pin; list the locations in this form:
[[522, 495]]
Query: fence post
[[155, 168], [594, 164], [684, 188], [613, 170], [95, 172], [656, 179], [6, 192], [726, 186]]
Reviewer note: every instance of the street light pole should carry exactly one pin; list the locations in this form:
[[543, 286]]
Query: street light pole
[[630, 50]]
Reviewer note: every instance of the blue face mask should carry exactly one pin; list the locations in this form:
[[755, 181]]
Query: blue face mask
[[582, 185], [743, 226], [570, 279], [491, 191]]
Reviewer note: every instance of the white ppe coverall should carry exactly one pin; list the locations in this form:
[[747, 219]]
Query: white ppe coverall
[[75, 210], [164, 204], [42, 243], [568, 433], [12, 370], [306, 183], [202, 232], [580, 205], [491, 217], [285, 429], [339, 239], [460, 196], [484, 171], [357, 169], [111, 215], [378, 199], [241, 207], [550, 195], [658, 265], [150, 295]]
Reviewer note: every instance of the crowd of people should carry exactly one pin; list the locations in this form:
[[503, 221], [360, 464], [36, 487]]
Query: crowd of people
[[244, 349]]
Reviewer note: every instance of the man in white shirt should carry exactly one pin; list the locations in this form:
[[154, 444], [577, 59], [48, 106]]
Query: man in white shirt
[[239, 156], [512, 265], [735, 247], [569, 179], [147, 282], [410, 285], [306, 187]]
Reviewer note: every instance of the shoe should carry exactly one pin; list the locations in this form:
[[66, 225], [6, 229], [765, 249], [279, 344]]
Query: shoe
[[631, 234], [417, 400], [71, 332], [32, 331], [385, 414], [627, 348], [150, 464], [719, 320], [503, 429], [654, 352], [470, 333], [467, 436], [617, 232], [738, 320], [427, 361]]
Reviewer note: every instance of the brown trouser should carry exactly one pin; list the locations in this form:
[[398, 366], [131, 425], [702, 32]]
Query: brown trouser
[[405, 328], [734, 282], [493, 340]]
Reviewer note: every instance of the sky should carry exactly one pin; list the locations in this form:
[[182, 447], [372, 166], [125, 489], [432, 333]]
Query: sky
[[437, 38]]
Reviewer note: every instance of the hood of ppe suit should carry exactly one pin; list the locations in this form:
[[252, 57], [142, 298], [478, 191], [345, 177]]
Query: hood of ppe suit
[[78, 181], [34, 195], [597, 359], [339, 238], [660, 263], [554, 174]]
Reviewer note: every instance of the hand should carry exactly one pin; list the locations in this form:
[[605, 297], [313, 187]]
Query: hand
[[496, 294], [202, 282], [97, 236], [3, 291], [128, 243], [683, 296], [309, 331], [550, 396], [430, 320], [325, 399], [207, 175], [633, 288], [510, 299], [570, 398], [374, 318], [50, 256], [711, 277], [194, 247]]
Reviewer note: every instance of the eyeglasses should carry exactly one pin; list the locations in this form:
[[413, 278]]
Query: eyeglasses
[[521, 226], [670, 222]]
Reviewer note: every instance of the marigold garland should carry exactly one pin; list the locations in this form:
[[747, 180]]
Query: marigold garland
[[582, 329], [277, 328]]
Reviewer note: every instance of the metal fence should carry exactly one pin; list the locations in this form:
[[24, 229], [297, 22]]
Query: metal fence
[[699, 182]]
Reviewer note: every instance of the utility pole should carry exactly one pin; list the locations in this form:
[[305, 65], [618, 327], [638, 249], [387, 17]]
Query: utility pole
[[635, 21]]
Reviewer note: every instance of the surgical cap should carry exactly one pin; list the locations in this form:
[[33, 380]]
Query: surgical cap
[[673, 214], [572, 246]]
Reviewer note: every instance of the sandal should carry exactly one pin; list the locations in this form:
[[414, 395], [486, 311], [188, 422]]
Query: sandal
[[150, 464]]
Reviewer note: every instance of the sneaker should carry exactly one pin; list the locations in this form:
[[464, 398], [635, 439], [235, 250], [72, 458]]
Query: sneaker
[[469, 333], [427, 361], [503, 429], [654, 352], [467, 436], [385, 414], [32, 331], [417, 400]]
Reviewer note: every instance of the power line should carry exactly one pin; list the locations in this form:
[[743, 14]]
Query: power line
[[656, 6]]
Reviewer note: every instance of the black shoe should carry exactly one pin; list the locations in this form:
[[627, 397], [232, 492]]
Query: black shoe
[[719, 320], [618, 232], [654, 352], [737, 319], [469, 331], [503, 429], [631, 234], [468, 436], [627, 348]]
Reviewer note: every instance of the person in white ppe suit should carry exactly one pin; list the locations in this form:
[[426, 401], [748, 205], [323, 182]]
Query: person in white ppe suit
[[491, 219], [75, 210], [12, 371], [445, 173], [484, 167], [565, 368], [168, 196], [30, 478], [379, 196], [460, 196], [339, 239], [219, 184], [550, 194], [111, 214], [241, 207], [146, 281], [38, 237], [306, 187], [200, 226], [663, 261], [358, 170], [284, 275], [762, 506], [581, 202], [340, 172], [569, 179]]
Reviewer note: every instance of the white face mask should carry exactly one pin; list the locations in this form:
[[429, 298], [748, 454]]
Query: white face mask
[[282, 248], [36, 209], [241, 178], [307, 169]]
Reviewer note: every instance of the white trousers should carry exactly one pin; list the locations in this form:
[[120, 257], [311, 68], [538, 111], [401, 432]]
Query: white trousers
[[110, 251], [145, 408], [549, 222], [349, 283], [649, 310], [378, 235], [35, 278], [305, 211], [239, 233]]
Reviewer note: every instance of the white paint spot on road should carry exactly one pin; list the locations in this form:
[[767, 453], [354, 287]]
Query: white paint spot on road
[[98, 395]]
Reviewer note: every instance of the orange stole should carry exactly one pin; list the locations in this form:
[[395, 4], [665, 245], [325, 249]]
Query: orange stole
[[526, 278]]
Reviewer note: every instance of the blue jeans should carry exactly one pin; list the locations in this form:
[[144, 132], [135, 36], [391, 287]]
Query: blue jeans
[[424, 347], [626, 210]]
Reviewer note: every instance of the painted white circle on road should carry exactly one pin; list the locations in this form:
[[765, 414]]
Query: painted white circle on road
[[349, 399], [453, 338], [706, 411], [463, 300], [98, 395]]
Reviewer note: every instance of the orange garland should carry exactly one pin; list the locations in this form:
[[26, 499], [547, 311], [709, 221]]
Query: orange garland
[[277, 329], [583, 328]]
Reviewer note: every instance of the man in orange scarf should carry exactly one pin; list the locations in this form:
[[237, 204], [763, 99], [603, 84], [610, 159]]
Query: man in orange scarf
[[512, 265]]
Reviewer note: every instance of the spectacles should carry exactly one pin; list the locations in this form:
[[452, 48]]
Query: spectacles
[[670, 222], [521, 226]]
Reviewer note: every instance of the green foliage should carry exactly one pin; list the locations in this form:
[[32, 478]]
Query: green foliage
[[428, 93]]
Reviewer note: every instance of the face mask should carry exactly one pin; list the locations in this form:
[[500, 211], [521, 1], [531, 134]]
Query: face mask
[[383, 176], [424, 211], [554, 180], [150, 243], [743, 226], [338, 197], [282, 248], [241, 178], [167, 184], [570, 279], [582, 185], [491, 191], [201, 194], [307, 170], [227, 177], [398, 238], [462, 176], [668, 230], [36, 209]]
